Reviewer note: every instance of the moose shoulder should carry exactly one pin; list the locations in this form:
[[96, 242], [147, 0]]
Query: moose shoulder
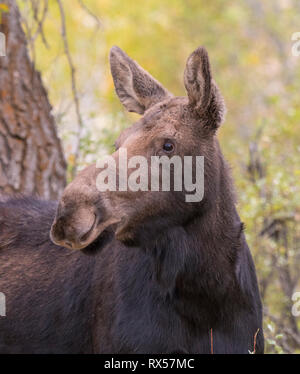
[[152, 273]]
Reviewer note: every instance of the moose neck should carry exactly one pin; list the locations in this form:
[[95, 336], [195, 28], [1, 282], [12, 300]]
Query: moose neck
[[208, 241]]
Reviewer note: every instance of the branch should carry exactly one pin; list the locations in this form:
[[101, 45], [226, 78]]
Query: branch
[[91, 14], [40, 23], [74, 86], [295, 337]]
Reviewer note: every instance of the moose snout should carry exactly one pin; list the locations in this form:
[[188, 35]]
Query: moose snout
[[74, 229]]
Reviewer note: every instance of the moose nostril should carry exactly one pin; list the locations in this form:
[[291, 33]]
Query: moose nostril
[[87, 233], [58, 230]]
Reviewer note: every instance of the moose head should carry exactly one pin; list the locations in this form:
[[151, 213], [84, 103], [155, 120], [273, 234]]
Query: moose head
[[169, 126]]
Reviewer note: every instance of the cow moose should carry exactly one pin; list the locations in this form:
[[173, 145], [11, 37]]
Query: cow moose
[[148, 272]]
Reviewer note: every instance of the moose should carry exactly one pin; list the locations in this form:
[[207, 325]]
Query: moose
[[135, 271]]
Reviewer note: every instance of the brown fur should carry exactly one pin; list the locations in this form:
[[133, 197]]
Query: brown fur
[[164, 273]]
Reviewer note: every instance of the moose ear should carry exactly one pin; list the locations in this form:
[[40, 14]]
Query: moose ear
[[203, 93], [137, 89]]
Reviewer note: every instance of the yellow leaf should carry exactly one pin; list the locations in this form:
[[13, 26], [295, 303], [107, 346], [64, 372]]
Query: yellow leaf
[[71, 159], [253, 59], [4, 8]]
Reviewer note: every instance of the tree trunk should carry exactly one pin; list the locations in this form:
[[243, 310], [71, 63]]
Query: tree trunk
[[31, 157]]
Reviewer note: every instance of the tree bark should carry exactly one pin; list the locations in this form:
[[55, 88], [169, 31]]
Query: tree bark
[[31, 156]]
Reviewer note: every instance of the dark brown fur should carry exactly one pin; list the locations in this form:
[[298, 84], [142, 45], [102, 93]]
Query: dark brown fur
[[161, 273]]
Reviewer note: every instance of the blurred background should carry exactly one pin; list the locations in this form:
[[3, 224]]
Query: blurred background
[[59, 112]]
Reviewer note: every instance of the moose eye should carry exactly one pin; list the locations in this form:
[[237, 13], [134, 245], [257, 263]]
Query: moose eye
[[168, 147]]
